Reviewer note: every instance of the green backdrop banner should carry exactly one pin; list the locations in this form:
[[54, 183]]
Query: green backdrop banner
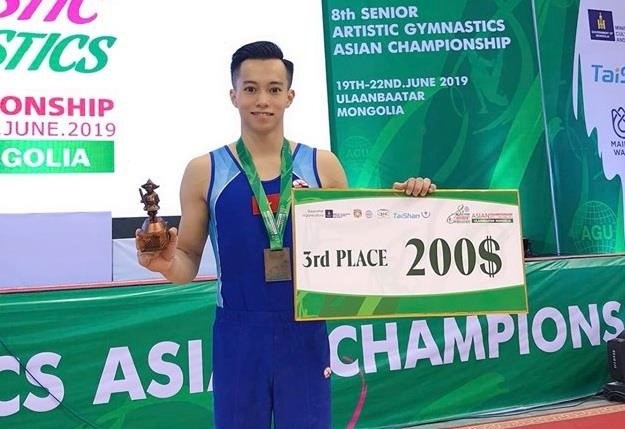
[[448, 90], [140, 356]]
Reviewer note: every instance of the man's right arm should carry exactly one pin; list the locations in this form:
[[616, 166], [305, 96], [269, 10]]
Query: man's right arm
[[180, 261]]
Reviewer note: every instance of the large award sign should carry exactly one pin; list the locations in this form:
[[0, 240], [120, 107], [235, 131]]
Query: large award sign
[[379, 253]]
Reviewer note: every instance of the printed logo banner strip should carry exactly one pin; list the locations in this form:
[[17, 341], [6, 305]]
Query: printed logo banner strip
[[379, 253]]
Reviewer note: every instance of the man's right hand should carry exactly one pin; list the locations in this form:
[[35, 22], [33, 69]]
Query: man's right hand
[[162, 260]]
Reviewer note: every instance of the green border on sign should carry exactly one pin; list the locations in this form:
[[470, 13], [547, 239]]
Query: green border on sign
[[314, 305], [314, 195]]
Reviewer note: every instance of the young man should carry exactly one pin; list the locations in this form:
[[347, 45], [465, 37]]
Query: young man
[[265, 365]]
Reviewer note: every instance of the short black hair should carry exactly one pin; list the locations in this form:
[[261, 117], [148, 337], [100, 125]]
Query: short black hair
[[261, 50]]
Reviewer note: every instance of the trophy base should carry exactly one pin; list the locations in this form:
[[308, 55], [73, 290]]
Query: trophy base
[[154, 235]]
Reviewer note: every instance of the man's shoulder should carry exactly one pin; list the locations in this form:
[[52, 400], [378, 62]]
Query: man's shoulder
[[330, 170], [200, 162], [199, 168], [299, 146], [325, 156], [223, 148]]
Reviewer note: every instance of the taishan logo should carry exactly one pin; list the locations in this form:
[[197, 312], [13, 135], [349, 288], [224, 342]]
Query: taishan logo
[[608, 74], [26, 50]]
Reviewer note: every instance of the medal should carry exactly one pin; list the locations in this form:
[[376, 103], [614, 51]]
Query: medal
[[277, 259], [277, 264]]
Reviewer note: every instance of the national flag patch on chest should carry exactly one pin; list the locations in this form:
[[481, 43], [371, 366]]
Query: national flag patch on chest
[[273, 199]]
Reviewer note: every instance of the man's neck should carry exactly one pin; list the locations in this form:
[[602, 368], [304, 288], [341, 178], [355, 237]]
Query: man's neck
[[263, 144]]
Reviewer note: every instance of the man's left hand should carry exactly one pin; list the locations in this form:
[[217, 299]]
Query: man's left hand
[[416, 187]]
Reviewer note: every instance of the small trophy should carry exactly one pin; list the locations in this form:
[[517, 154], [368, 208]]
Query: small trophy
[[154, 235]]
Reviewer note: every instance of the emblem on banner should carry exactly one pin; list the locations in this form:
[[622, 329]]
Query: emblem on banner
[[601, 25], [618, 122]]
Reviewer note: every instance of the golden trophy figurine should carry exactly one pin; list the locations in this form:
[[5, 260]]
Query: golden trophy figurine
[[154, 234]]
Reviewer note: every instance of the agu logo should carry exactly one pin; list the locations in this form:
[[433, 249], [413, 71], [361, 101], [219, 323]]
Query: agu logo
[[601, 25], [594, 228]]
